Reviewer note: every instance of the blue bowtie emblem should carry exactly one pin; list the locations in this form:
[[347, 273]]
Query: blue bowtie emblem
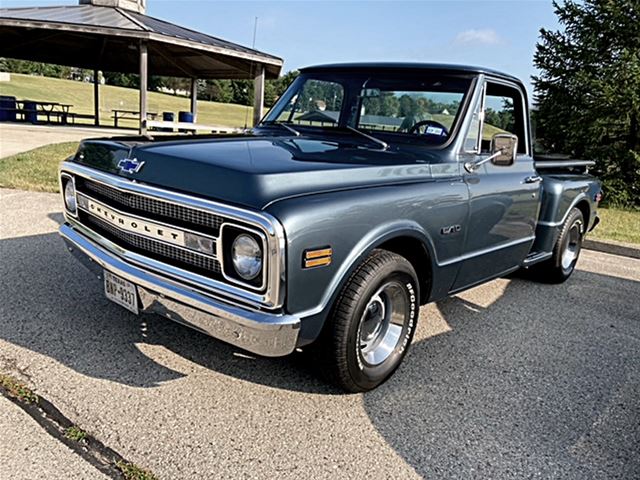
[[130, 165]]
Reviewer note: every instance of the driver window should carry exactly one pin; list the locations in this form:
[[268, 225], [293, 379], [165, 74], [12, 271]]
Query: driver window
[[503, 113]]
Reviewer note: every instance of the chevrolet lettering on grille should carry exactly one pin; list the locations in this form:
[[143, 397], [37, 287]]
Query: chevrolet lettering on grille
[[132, 224]]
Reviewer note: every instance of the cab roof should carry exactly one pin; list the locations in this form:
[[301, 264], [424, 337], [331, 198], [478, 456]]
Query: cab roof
[[409, 66]]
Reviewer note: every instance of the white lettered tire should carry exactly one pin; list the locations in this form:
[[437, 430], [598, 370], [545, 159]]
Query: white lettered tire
[[372, 323]]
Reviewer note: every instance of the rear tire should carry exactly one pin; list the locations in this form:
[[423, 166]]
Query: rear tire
[[566, 251], [371, 324]]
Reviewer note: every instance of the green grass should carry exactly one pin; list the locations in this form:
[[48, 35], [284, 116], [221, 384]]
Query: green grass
[[80, 95], [75, 433], [131, 471], [488, 131], [37, 169], [17, 389], [618, 225]]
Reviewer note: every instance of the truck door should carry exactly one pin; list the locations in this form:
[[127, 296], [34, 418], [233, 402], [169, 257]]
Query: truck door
[[504, 200]]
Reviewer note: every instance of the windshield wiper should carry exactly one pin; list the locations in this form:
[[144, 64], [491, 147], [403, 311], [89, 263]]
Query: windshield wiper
[[382, 144], [281, 124]]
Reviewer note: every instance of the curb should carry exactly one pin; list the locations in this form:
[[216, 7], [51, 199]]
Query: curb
[[614, 248]]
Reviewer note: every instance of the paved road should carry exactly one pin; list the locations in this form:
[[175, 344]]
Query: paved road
[[509, 380], [20, 137]]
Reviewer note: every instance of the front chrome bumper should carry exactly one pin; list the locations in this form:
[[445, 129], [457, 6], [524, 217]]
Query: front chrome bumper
[[263, 333]]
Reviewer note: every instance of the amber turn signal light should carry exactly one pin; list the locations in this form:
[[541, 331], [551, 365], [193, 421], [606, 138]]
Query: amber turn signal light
[[317, 257]]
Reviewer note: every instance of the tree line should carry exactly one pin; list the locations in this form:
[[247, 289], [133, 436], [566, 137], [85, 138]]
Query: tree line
[[388, 104], [226, 91]]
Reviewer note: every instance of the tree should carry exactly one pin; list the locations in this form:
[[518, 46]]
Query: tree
[[132, 80], [216, 91], [273, 89], [588, 91], [34, 68], [242, 92]]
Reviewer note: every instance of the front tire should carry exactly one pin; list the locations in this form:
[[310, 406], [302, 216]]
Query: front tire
[[372, 323], [566, 251]]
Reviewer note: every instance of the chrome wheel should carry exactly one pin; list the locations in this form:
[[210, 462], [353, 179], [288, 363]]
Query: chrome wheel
[[372, 323], [572, 247], [382, 323]]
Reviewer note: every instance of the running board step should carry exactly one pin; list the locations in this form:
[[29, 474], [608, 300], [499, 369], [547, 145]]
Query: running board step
[[536, 257]]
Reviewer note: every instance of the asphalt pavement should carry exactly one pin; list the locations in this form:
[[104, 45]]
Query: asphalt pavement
[[512, 379], [28, 452], [21, 137]]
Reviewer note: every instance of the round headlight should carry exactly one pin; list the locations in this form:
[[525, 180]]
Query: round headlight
[[70, 196], [247, 256]]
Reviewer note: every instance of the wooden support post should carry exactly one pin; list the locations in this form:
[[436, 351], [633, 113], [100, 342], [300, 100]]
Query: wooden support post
[[194, 99], [258, 95], [96, 98], [143, 88]]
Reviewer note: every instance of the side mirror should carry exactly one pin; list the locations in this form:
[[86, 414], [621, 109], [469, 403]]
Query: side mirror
[[504, 148]]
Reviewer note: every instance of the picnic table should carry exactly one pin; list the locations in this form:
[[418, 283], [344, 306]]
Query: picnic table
[[119, 114], [29, 110], [55, 109]]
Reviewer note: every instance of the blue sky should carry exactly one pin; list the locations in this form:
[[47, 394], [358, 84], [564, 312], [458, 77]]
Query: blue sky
[[496, 34]]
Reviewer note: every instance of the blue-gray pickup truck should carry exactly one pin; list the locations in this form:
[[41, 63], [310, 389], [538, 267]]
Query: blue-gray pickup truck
[[367, 191]]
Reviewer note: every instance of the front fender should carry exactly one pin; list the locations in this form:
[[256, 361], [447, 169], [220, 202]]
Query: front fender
[[353, 223], [361, 250]]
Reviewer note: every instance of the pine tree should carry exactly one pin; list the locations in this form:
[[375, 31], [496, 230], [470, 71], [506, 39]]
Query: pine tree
[[588, 90]]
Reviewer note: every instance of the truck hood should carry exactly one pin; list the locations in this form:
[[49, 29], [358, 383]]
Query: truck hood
[[254, 171]]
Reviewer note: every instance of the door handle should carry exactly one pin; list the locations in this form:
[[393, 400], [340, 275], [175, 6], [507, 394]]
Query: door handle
[[533, 179]]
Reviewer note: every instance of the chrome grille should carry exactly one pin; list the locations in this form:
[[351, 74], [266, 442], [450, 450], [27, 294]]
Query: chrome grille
[[147, 245], [144, 205], [270, 296]]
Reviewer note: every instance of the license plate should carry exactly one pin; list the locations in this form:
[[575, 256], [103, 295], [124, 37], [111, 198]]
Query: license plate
[[121, 291]]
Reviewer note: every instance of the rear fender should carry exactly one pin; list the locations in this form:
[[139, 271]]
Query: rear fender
[[561, 194]]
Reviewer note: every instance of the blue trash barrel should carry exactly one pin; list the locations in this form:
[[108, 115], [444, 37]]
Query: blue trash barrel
[[31, 112], [167, 117], [186, 117], [7, 108]]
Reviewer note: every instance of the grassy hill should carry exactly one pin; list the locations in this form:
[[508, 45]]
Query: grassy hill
[[80, 95]]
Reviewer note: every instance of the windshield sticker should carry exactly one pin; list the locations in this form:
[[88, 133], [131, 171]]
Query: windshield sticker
[[434, 131]]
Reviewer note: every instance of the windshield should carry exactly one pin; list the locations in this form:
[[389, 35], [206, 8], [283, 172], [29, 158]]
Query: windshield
[[417, 108]]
